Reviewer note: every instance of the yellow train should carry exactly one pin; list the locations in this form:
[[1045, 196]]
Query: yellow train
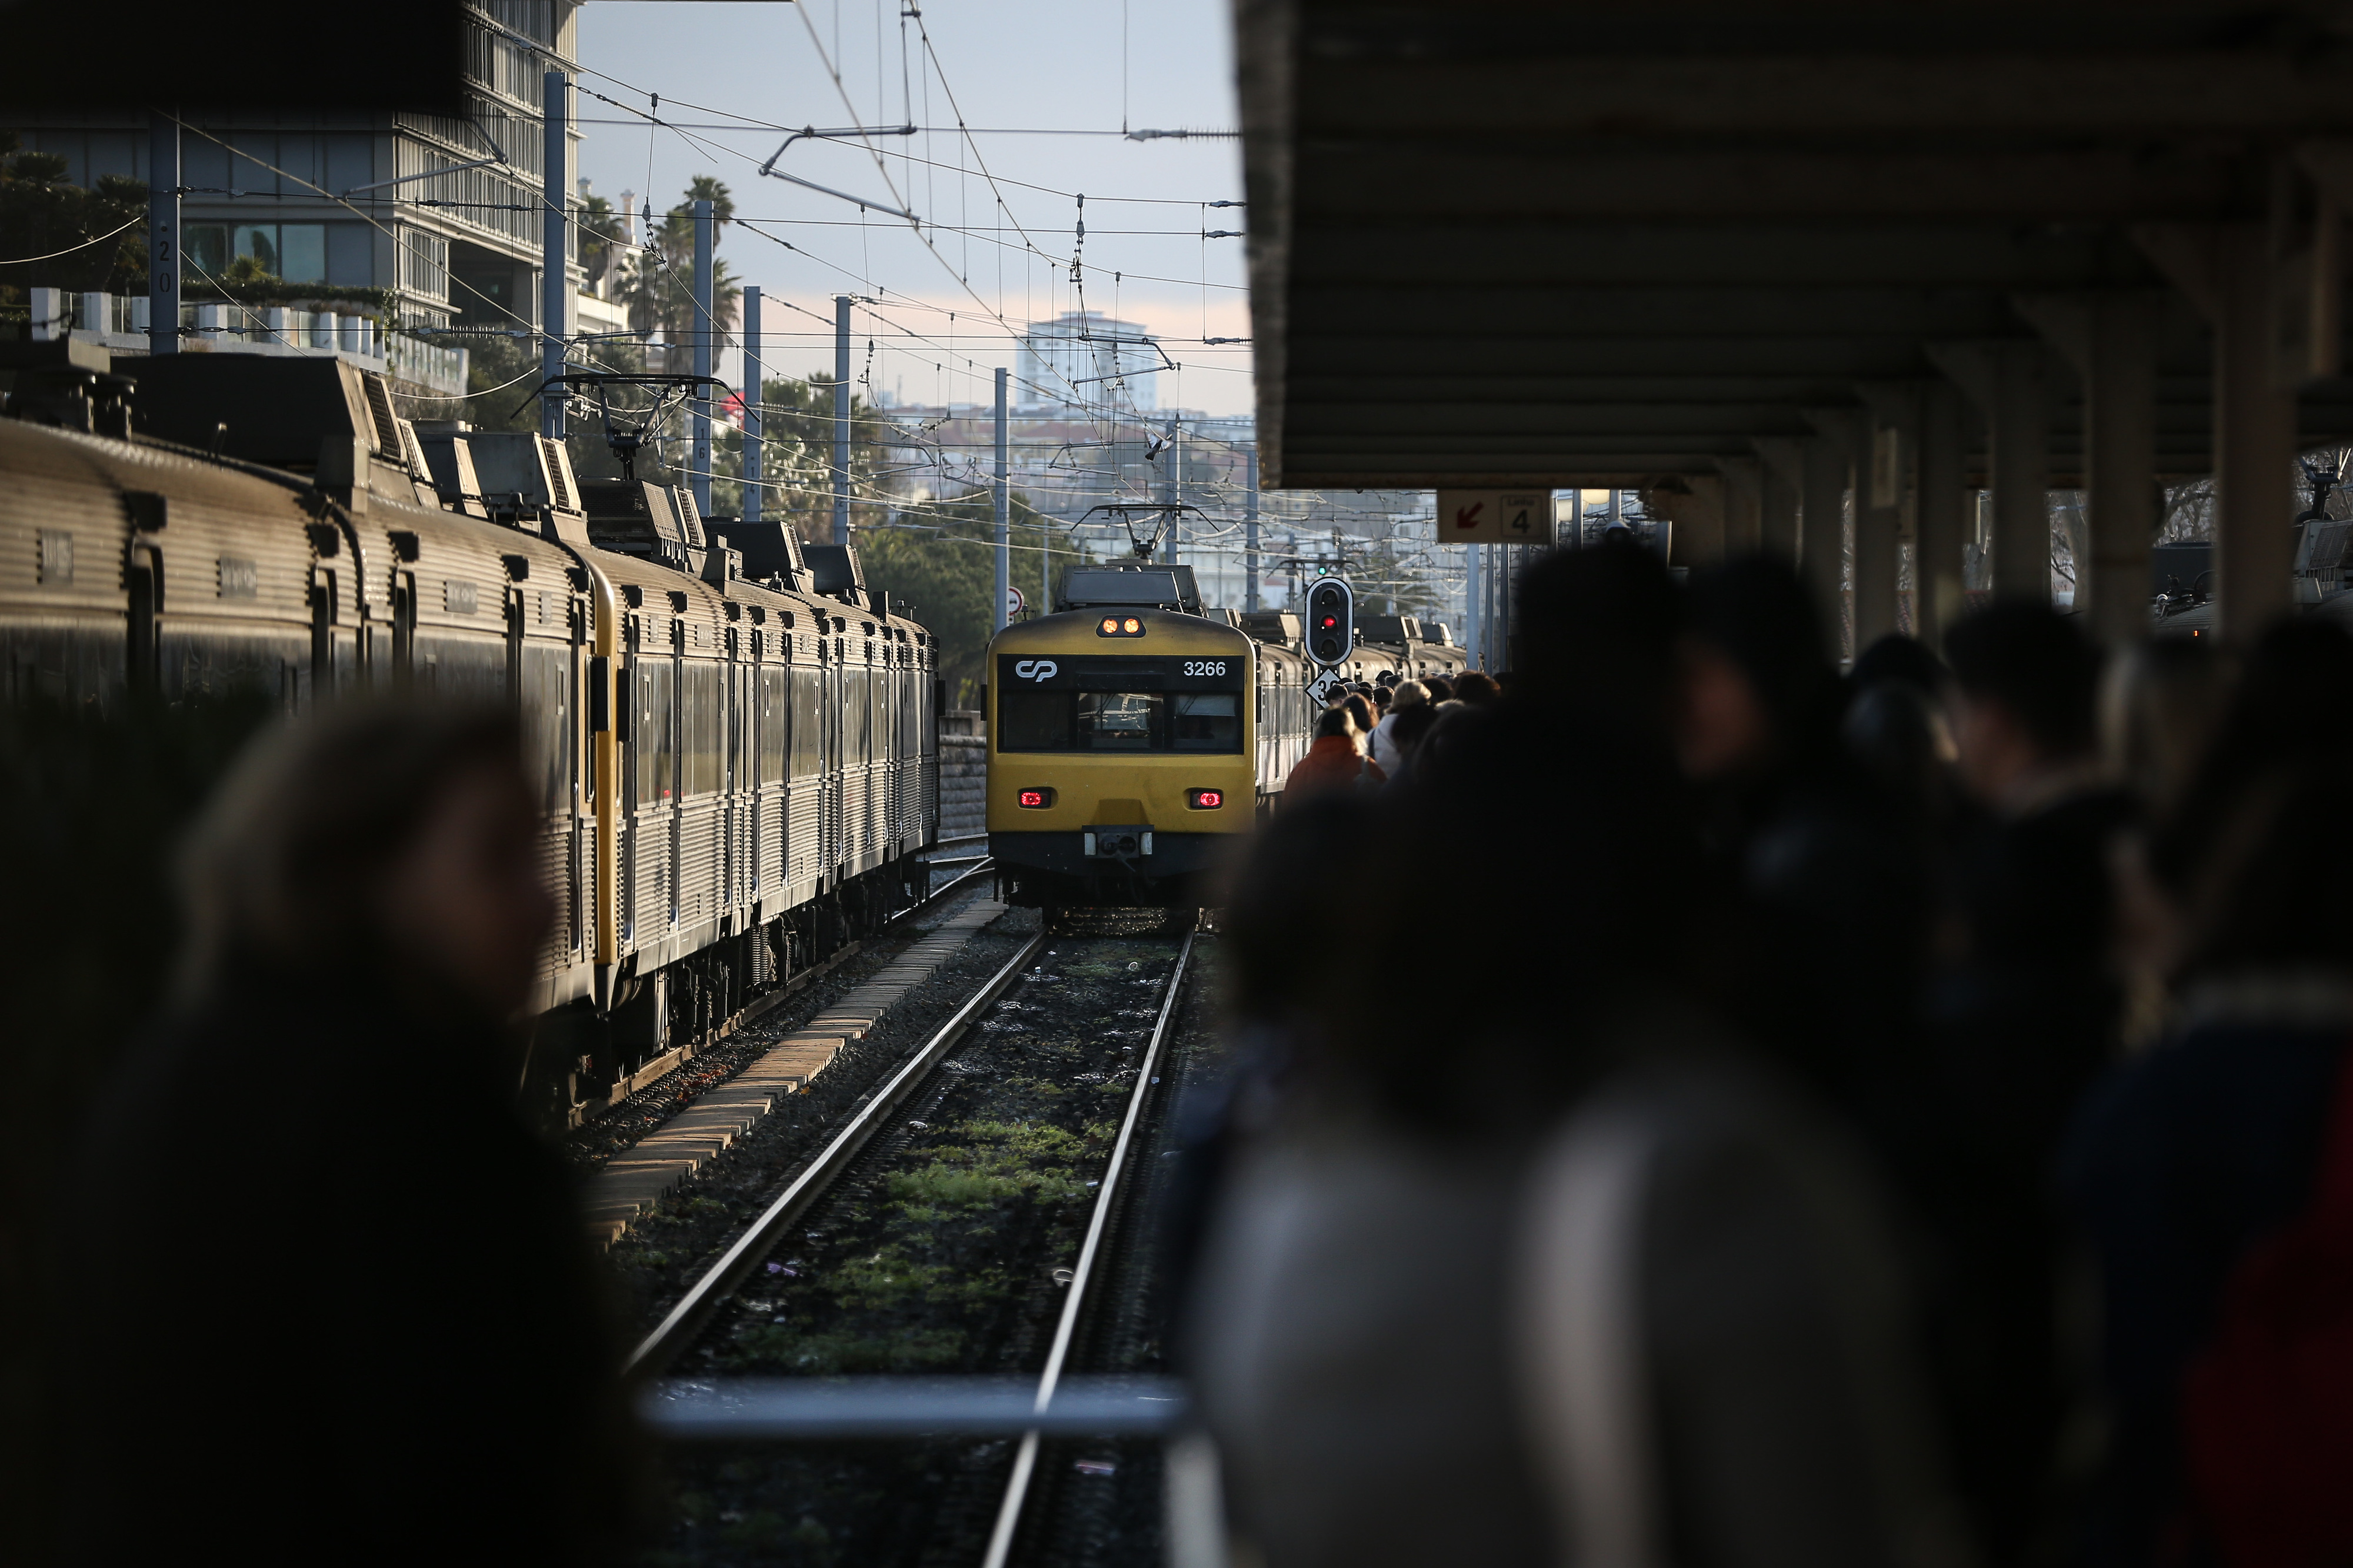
[[1132, 742]]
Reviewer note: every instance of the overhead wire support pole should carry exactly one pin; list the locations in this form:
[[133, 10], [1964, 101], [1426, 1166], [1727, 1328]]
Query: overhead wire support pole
[[752, 420], [841, 418], [1249, 530], [555, 285], [1004, 527], [704, 332], [163, 234]]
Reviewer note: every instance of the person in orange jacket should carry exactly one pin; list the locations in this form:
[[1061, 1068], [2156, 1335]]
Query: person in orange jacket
[[1336, 760]]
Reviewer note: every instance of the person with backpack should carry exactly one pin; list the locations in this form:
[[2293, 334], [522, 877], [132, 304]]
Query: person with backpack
[[2212, 1173], [1336, 759]]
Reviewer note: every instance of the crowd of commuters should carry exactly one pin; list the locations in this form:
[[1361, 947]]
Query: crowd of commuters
[[1896, 1116]]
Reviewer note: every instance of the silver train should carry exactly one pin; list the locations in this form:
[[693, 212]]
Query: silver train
[[737, 773]]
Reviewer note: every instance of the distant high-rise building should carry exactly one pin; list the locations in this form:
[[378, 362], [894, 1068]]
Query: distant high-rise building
[[1083, 357]]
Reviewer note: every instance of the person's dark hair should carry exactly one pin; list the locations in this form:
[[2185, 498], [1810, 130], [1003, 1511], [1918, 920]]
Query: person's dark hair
[[1477, 687], [1529, 1035], [1360, 710], [1414, 722], [1898, 657], [2036, 663], [1438, 688], [1380, 697], [1755, 611], [2237, 852], [1897, 732], [1597, 626], [1336, 721], [279, 869]]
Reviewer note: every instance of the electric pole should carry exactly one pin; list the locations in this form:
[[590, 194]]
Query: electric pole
[[841, 418], [555, 228], [1004, 522], [704, 334], [163, 234], [1249, 530], [751, 421]]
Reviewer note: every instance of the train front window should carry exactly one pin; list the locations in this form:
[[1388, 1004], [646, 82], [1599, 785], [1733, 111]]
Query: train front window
[[1118, 720], [1033, 721], [1208, 721]]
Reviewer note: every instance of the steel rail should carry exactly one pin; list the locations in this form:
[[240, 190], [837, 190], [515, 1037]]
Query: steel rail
[[1025, 1462], [680, 1324]]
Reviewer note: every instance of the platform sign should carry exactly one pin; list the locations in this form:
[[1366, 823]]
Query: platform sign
[[1326, 686], [1495, 517]]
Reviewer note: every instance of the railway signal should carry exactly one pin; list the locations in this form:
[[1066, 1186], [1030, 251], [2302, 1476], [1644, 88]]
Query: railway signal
[[1331, 621]]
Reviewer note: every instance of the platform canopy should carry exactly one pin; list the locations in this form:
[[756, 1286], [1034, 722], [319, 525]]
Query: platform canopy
[[1497, 243]]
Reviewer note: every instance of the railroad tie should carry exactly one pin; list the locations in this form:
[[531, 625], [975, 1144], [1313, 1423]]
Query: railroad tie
[[662, 1161]]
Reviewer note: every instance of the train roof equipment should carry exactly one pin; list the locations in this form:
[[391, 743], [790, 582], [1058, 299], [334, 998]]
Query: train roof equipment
[[1145, 587]]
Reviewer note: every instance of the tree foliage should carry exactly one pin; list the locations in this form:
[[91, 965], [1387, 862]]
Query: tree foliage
[[42, 212], [942, 562]]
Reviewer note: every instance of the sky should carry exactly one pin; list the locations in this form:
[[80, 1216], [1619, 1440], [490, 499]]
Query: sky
[[1000, 208]]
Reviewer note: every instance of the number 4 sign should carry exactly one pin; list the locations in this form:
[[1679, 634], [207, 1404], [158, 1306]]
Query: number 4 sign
[[1495, 517]]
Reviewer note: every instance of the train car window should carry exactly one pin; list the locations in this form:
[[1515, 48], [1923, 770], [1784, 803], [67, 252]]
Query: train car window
[[776, 699], [1119, 720], [546, 730], [1206, 721], [655, 734], [699, 716], [808, 723], [1033, 721]]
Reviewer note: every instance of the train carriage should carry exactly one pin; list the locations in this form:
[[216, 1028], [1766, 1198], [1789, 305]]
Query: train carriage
[[1123, 759], [717, 811]]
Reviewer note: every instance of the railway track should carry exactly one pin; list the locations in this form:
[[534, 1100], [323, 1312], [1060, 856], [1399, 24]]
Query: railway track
[[963, 1222]]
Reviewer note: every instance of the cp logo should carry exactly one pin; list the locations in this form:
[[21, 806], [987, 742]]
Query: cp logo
[[1036, 669]]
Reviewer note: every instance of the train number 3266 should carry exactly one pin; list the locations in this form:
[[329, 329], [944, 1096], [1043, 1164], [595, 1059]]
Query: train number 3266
[[1205, 667]]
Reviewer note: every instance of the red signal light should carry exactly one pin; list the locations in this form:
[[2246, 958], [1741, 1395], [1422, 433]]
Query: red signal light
[[1035, 799], [1329, 623], [1205, 799]]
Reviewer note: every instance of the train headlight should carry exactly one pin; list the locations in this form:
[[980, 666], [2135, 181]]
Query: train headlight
[[1035, 799], [1205, 799], [1109, 627], [1131, 627], [1120, 627]]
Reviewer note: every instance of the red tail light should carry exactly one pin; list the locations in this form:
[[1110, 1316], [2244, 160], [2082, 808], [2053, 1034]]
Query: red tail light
[[1035, 799], [1205, 799]]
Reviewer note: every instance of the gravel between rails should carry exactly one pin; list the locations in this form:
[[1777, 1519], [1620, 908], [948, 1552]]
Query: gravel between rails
[[934, 1254]]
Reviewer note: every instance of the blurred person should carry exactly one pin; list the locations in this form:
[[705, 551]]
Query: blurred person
[[1477, 688], [2197, 1166], [1618, 1226], [1895, 656], [1903, 737], [2024, 1008], [1598, 627], [1830, 895], [1336, 760], [1414, 724], [376, 1322], [1404, 695], [1380, 700], [2159, 702], [1360, 714], [1440, 687]]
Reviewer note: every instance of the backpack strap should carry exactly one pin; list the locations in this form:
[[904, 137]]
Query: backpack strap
[[1579, 1319]]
